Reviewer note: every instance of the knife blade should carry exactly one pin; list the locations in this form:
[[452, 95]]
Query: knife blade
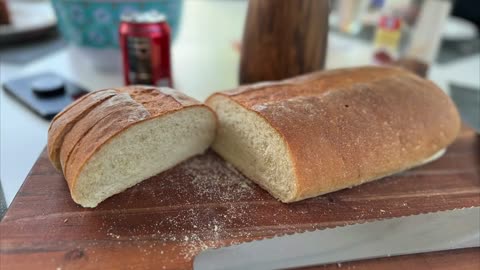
[[437, 231]]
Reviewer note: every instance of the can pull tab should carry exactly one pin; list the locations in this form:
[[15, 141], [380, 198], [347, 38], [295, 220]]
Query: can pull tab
[[48, 86]]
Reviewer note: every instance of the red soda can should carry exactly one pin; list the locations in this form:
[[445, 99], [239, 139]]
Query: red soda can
[[145, 45]]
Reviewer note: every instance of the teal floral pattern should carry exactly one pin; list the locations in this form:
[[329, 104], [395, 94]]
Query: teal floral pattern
[[94, 23]]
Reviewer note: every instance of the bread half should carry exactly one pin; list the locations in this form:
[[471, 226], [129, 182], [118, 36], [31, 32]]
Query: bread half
[[135, 134], [326, 131]]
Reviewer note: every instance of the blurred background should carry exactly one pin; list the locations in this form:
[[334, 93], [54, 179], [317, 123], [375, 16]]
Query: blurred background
[[78, 42]]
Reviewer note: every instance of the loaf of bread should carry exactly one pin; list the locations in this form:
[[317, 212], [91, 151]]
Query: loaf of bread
[[112, 139], [326, 131]]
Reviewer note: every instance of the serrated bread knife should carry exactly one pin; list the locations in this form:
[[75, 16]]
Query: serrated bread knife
[[437, 231]]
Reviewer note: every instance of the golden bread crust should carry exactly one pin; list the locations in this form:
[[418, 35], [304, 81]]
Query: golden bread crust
[[349, 126]]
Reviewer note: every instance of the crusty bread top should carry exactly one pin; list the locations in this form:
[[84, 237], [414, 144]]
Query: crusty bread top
[[158, 101], [111, 109], [355, 123], [309, 84], [82, 128], [63, 122]]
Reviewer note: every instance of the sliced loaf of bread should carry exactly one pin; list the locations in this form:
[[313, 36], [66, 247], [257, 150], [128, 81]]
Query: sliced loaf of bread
[[112, 139], [326, 131]]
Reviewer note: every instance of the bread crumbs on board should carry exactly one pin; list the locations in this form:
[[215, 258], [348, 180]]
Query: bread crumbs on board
[[211, 180]]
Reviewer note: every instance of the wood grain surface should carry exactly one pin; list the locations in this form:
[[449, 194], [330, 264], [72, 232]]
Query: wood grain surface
[[283, 38], [165, 221]]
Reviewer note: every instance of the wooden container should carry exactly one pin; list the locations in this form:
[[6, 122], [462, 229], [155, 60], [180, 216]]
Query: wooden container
[[283, 38]]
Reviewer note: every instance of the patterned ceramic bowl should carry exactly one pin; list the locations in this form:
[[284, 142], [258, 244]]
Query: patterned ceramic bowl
[[94, 23]]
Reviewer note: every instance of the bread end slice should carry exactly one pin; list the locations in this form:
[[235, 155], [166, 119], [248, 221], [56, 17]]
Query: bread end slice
[[142, 151], [254, 147]]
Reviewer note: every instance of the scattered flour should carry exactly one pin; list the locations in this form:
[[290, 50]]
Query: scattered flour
[[204, 179]]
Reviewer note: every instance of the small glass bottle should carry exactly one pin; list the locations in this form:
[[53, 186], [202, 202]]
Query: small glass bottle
[[387, 39]]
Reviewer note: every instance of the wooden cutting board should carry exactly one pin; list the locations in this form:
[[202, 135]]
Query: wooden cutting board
[[165, 221]]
